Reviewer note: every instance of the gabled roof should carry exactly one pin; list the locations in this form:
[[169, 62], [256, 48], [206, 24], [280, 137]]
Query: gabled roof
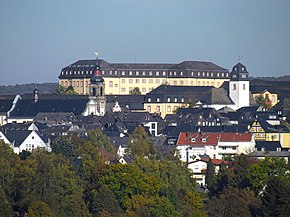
[[17, 136]]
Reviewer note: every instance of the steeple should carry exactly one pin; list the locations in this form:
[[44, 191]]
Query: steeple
[[239, 86], [97, 91]]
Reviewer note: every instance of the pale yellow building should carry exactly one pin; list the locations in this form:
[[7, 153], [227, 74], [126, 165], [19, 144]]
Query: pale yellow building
[[273, 97], [121, 78]]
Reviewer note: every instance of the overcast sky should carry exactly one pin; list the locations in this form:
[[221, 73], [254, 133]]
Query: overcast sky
[[38, 38]]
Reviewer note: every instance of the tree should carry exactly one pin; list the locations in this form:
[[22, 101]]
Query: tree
[[135, 91], [261, 172], [210, 175], [140, 145], [5, 206], [263, 101], [100, 140], [39, 209], [65, 146], [276, 197], [104, 200], [229, 203], [65, 91], [55, 183]]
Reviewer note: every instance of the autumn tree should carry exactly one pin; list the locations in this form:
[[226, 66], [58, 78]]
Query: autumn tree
[[140, 145]]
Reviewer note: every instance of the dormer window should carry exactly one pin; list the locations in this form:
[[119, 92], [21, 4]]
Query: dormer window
[[158, 99], [203, 139], [168, 99], [243, 68], [149, 99], [192, 139], [175, 99]]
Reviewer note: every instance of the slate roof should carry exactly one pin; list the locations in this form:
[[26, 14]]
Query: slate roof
[[268, 145], [5, 105], [17, 136], [29, 108], [84, 68], [132, 102], [217, 96], [180, 94]]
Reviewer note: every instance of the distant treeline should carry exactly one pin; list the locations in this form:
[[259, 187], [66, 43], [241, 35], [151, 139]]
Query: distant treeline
[[48, 88]]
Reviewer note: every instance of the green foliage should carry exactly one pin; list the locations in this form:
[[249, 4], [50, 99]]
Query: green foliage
[[263, 101], [39, 209], [104, 202], [56, 184], [210, 175], [269, 167], [140, 145], [24, 154], [66, 146], [128, 180], [135, 91], [5, 207], [100, 140], [229, 203], [65, 91], [276, 197], [237, 176]]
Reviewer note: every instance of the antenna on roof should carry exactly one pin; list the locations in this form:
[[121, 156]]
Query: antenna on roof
[[239, 58]]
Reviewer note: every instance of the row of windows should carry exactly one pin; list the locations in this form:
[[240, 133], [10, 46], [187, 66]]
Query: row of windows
[[175, 99], [123, 89], [235, 87], [146, 73]]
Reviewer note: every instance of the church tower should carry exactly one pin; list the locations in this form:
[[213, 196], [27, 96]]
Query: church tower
[[97, 93], [239, 86]]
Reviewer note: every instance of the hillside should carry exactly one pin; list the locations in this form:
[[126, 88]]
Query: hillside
[[47, 88]]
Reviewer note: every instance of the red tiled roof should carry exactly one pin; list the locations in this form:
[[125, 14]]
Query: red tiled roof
[[215, 161], [198, 139], [186, 138], [235, 137]]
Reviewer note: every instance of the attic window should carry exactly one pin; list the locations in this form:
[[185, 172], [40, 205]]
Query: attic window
[[149, 99], [192, 139], [243, 68], [203, 139]]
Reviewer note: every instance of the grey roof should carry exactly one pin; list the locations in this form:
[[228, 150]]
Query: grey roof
[[26, 107], [268, 145], [216, 96], [17, 136], [5, 104], [283, 154], [84, 69]]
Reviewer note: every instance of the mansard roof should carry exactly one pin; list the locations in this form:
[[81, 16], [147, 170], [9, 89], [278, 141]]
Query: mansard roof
[[84, 68], [27, 107]]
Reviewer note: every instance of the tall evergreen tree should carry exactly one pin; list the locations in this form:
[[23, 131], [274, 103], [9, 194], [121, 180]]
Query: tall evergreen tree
[[210, 175]]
